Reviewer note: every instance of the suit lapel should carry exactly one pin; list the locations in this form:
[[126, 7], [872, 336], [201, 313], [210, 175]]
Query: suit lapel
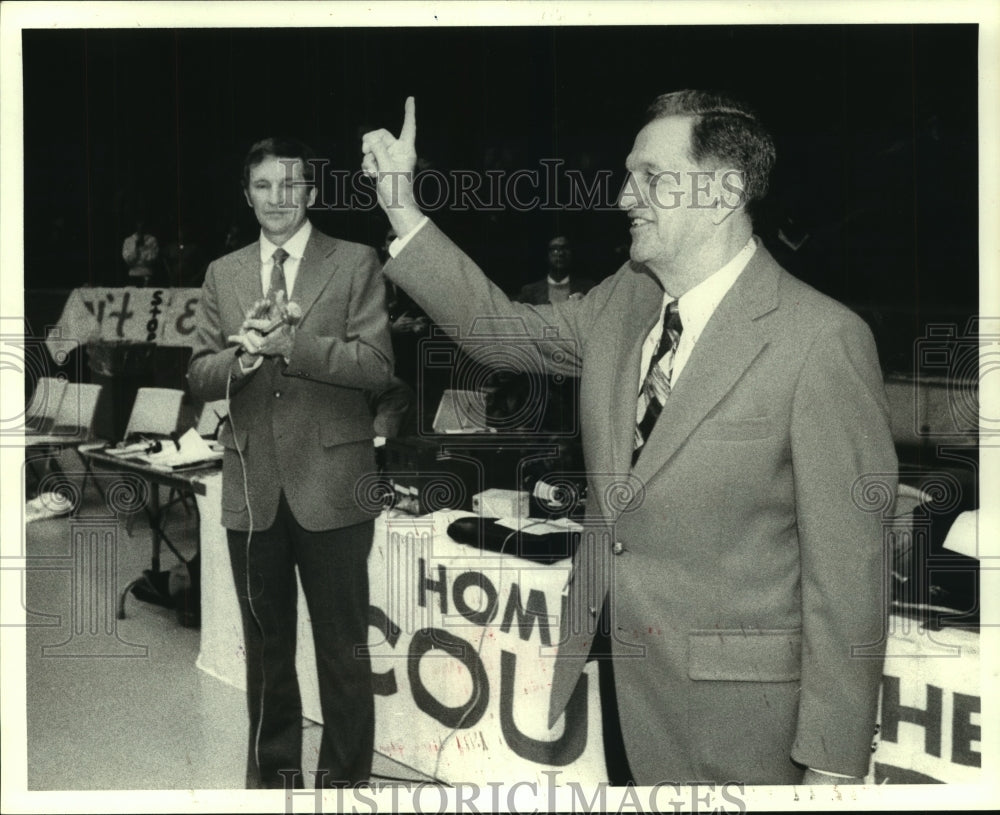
[[247, 279], [732, 339], [314, 272], [641, 315]]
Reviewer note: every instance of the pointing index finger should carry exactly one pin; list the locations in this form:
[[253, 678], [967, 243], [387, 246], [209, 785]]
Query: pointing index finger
[[408, 135]]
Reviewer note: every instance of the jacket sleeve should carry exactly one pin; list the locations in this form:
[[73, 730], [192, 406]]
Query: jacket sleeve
[[449, 286], [213, 360], [362, 358], [843, 455]]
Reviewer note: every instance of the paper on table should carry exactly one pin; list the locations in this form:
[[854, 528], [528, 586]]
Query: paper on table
[[192, 449], [961, 538]]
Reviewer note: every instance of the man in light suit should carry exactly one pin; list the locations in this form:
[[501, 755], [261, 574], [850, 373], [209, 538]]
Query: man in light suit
[[298, 439], [743, 584]]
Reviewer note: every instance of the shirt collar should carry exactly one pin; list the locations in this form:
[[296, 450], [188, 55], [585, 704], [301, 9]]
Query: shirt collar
[[697, 305], [552, 282], [295, 245]]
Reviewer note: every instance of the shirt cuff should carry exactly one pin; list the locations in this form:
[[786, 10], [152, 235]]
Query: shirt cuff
[[397, 245], [827, 772], [248, 369]]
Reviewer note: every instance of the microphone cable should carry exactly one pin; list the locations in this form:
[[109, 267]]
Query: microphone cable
[[253, 611]]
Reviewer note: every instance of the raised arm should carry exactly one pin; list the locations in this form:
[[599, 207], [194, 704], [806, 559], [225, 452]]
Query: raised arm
[[448, 285]]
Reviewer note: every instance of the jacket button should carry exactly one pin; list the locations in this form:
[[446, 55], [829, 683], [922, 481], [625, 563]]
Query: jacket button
[[277, 394], [618, 547]]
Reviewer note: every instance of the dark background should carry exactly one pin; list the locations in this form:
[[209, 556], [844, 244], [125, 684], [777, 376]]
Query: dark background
[[876, 128]]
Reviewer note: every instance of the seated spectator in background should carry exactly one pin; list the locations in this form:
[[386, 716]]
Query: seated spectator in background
[[559, 284], [141, 253]]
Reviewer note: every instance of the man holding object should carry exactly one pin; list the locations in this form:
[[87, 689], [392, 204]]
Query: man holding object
[[295, 364], [744, 588]]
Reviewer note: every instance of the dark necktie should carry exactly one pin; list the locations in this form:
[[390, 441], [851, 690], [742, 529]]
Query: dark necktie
[[278, 275], [656, 387]]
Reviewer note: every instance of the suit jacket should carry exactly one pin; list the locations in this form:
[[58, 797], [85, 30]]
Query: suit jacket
[[305, 428], [537, 293], [746, 604]]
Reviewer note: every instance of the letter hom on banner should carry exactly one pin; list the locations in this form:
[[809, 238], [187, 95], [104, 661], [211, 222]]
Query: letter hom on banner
[[462, 686], [459, 642]]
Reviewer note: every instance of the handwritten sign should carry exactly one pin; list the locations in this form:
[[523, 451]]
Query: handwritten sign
[[112, 315]]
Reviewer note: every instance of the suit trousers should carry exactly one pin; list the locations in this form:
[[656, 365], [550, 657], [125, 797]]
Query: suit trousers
[[333, 569]]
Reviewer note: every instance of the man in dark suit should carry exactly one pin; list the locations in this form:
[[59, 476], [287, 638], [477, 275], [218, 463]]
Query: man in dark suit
[[559, 283], [743, 579], [299, 438]]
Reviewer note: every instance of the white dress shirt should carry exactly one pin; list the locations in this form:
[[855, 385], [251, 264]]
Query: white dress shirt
[[296, 247], [397, 245], [695, 307]]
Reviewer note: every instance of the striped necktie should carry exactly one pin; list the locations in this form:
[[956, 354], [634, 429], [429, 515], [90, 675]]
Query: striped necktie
[[278, 275], [656, 387]]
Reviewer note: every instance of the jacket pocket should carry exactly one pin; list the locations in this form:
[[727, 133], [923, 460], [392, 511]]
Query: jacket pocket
[[761, 655], [758, 427], [346, 429]]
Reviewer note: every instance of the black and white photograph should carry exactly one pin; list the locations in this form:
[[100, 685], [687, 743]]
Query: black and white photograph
[[495, 406]]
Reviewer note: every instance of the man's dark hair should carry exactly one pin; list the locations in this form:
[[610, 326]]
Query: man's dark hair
[[725, 130], [281, 147]]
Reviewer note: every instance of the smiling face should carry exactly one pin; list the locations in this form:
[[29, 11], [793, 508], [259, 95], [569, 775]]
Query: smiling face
[[280, 195], [668, 218]]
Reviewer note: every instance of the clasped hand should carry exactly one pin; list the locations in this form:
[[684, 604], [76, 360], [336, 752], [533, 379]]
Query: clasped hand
[[260, 318]]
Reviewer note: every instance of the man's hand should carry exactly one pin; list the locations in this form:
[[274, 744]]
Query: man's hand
[[259, 336], [277, 343], [391, 162], [811, 778]]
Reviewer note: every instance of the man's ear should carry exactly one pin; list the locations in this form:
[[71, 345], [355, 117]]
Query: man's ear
[[731, 194], [246, 194], [312, 197]]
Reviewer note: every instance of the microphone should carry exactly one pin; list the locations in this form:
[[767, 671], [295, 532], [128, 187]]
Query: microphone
[[291, 316]]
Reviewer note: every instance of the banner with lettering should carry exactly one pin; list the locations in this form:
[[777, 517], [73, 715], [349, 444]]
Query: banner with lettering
[[163, 316], [464, 662], [456, 641], [930, 713]]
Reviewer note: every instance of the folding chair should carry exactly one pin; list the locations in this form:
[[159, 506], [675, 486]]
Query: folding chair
[[211, 417], [71, 426], [40, 415], [155, 414]]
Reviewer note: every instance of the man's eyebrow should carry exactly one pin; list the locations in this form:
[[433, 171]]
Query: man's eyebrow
[[642, 164]]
